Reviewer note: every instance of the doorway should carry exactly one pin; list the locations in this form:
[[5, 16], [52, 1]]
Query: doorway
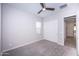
[[70, 31]]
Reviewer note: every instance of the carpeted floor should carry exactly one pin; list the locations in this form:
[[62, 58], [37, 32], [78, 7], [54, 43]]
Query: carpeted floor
[[42, 48]]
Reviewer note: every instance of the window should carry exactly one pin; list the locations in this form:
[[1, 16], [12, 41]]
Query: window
[[38, 27]]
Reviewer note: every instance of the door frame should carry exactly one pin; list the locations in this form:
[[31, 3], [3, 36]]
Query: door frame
[[65, 29]]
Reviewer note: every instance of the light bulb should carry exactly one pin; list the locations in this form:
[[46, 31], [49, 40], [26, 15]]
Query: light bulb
[[43, 9]]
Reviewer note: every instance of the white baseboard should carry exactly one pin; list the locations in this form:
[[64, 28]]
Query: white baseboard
[[22, 45], [56, 42]]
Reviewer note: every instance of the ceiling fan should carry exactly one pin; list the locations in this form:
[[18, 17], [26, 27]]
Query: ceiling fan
[[45, 8]]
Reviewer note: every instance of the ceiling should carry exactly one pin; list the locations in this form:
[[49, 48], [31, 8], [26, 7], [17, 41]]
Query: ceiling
[[35, 7]]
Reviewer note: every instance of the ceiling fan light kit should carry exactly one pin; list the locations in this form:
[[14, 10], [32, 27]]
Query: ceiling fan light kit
[[45, 8]]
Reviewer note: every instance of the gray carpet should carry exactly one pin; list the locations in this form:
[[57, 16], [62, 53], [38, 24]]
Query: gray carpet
[[41, 48]]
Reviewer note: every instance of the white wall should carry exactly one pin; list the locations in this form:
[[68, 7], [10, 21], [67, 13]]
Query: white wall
[[0, 28], [77, 31], [51, 29], [18, 27]]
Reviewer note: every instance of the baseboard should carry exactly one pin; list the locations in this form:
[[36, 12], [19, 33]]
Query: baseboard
[[56, 42], [21, 45]]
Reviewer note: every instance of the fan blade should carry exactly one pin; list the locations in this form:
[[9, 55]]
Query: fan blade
[[40, 11], [42, 4], [50, 8]]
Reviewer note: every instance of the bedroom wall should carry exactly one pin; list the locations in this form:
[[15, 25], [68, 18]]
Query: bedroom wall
[[18, 28], [0, 28], [51, 29], [77, 32]]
